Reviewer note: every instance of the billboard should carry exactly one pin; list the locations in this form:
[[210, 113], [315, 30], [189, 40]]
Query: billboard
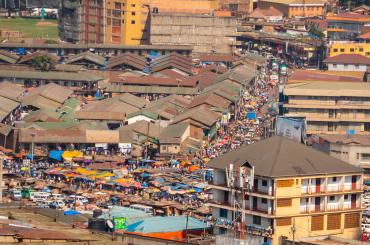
[[291, 128], [119, 223]]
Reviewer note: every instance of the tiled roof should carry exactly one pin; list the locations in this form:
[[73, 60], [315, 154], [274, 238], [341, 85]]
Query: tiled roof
[[281, 157], [348, 59], [151, 80], [29, 57], [88, 56], [261, 13]]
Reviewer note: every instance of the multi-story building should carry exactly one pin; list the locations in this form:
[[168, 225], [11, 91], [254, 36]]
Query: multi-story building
[[345, 27], [98, 21], [295, 8], [121, 21], [354, 149], [349, 48], [298, 192], [330, 107]]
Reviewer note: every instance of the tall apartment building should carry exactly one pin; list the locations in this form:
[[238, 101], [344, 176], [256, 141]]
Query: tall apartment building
[[330, 107], [101, 21], [298, 192], [119, 21]]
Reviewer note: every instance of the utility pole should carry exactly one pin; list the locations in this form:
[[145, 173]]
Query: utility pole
[[1, 176], [293, 230]]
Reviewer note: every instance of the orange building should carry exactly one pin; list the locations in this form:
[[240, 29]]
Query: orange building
[[296, 8]]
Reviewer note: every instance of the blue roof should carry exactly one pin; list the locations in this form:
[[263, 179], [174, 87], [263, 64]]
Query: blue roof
[[166, 224], [131, 215]]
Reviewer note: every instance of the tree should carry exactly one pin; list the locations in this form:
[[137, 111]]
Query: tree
[[43, 63], [316, 33]]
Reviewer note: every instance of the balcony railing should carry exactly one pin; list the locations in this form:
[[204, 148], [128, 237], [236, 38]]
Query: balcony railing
[[331, 188], [328, 208], [312, 208]]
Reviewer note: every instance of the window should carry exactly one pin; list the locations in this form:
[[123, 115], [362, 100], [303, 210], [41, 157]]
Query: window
[[264, 182], [123, 21], [346, 197], [365, 156], [331, 198], [223, 213], [334, 65], [357, 67], [345, 66], [351, 50], [133, 5], [133, 13], [133, 22], [264, 200], [117, 5], [334, 179], [256, 220], [357, 156], [335, 50], [342, 50], [66, 84], [361, 49], [367, 53]]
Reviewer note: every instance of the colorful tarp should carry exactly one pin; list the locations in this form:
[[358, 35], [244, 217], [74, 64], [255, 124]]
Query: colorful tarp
[[68, 155]]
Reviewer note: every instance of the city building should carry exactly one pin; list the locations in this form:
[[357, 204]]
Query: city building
[[205, 33], [91, 21], [295, 8], [354, 149], [329, 107], [296, 192], [349, 48], [348, 62], [124, 22], [346, 26]]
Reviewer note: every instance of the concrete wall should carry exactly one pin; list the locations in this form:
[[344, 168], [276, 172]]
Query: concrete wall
[[205, 33], [344, 67]]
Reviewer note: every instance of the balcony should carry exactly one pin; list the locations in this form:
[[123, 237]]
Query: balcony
[[334, 188], [352, 187], [304, 209], [227, 205]]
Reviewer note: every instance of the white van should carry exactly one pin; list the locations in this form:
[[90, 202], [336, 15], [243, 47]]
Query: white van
[[143, 208], [39, 196], [78, 199]]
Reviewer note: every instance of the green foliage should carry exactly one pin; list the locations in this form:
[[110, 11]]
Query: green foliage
[[43, 63], [316, 33]]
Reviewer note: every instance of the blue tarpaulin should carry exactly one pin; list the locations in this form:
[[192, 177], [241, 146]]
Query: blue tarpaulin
[[71, 212], [56, 155], [251, 115]]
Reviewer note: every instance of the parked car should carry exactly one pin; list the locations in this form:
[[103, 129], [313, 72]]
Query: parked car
[[57, 204]]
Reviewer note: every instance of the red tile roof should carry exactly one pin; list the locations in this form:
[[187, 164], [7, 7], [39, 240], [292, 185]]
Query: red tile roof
[[365, 36], [348, 59], [260, 13]]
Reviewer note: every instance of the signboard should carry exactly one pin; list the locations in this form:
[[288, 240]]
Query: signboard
[[291, 128], [119, 223]]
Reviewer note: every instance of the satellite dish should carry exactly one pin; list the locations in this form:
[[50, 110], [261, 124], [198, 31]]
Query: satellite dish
[[110, 224]]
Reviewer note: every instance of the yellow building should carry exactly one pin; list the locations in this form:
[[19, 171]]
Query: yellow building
[[349, 48], [123, 22], [295, 188]]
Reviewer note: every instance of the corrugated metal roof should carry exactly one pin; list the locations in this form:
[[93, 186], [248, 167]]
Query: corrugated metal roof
[[88, 56], [51, 75]]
